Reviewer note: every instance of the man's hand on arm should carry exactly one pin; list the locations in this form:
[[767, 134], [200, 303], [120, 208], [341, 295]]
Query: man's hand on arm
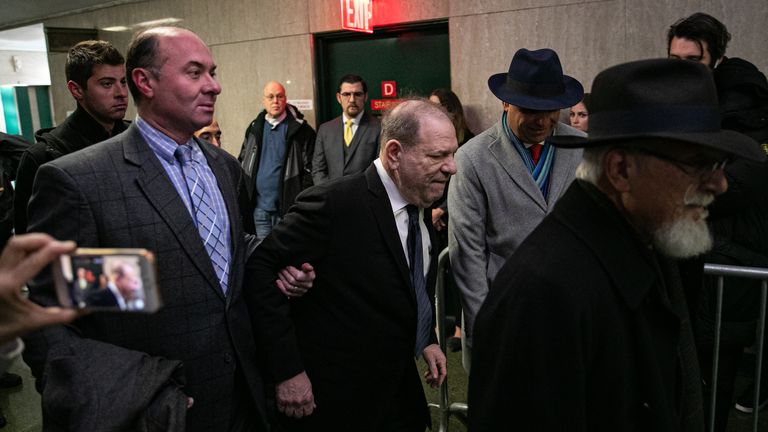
[[294, 396], [436, 365], [295, 282], [437, 221]]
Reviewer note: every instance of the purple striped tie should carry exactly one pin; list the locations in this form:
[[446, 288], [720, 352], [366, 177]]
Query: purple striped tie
[[205, 215]]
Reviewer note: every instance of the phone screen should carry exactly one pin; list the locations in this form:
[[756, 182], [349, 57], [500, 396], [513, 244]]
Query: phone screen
[[108, 279]]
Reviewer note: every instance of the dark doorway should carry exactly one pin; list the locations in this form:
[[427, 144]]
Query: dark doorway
[[416, 57]]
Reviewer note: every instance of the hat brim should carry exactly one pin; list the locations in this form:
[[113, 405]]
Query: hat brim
[[573, 93], [727, 141]]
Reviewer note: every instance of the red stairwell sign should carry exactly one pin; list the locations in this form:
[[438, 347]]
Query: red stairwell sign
[[357, 15], [388, 89], [383, 104]]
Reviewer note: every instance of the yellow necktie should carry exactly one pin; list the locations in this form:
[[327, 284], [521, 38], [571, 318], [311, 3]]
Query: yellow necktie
[[348, 133]]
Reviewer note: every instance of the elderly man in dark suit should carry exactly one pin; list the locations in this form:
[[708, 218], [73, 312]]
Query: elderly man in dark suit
[[157, 187], [370, 312], [586, 326], [349, 143]]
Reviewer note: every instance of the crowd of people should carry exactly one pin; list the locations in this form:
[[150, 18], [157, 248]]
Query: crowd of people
[[298, 279]]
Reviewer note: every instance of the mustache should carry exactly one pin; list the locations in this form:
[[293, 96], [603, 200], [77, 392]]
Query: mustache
[[698, 199]]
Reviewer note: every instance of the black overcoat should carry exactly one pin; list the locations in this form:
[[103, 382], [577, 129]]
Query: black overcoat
[[577, 332]]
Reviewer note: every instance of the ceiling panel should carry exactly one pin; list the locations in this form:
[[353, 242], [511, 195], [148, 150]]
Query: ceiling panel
[[20, 12]]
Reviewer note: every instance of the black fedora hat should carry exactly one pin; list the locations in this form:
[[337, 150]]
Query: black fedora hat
[[535, 81], [661, 98]]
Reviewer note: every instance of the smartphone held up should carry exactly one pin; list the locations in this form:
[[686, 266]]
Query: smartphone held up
[[107, 280]]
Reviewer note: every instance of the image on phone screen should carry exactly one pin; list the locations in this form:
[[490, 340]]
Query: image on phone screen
[[107, 281]]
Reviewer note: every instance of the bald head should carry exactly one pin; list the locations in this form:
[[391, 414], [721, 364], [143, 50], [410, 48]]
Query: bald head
[[274, 99], [144, 53], [173, 79], [403, 122]]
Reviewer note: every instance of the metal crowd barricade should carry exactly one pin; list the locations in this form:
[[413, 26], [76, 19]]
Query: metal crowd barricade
[[443, 406], [721, 271]]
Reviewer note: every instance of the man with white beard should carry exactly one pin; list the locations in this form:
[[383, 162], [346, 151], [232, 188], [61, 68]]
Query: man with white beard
[[586, 325]]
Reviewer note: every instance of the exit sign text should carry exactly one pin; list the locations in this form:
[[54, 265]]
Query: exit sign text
[[357, 15]]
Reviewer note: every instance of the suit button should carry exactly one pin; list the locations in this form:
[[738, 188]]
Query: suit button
[[646, 405], [227, 358]]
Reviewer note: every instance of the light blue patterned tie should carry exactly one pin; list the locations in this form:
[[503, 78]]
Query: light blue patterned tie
[[416, 259], [205, 215]]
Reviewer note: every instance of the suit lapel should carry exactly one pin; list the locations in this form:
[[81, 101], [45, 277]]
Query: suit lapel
[[162, 195], [382, 212], [506, 155], [334, 149]]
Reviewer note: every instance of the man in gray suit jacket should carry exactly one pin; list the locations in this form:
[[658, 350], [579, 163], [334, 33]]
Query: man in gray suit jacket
[[148, 188], [509, 177], [349, 143]]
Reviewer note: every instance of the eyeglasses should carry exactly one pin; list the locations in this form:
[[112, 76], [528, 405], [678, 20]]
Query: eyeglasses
[[701, 170], [346, 95]]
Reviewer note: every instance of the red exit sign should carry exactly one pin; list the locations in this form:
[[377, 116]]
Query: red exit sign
[[357, 15]]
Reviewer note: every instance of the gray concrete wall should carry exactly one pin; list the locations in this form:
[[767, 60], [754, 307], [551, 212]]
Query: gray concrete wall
[[254, 41]]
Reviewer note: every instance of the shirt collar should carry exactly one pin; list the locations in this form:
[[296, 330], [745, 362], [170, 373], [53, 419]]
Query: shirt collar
[[355, 119], [274, 121], [396, 199], [163, 146]]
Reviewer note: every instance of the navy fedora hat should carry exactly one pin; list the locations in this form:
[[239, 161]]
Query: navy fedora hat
[[662, 98], [535, 81]]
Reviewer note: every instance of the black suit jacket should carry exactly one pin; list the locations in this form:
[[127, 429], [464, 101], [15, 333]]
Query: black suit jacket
[[117, 194], [102, 298], [329, 161], [356, 327]]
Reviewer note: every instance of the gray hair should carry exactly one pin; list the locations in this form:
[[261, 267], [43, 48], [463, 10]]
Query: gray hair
[[591, 167], [403, 122]]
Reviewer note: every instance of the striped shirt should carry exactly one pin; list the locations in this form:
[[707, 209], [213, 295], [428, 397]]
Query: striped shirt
[[164, 148]]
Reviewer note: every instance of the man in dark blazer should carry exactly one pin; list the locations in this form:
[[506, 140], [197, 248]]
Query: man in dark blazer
[[130, 191], [586, 327], [349, 143], [370, 312]]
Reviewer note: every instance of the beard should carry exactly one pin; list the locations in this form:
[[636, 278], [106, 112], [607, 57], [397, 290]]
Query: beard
[[683, 237]]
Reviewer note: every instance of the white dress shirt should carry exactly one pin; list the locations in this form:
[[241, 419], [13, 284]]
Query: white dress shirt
[[398, 204]]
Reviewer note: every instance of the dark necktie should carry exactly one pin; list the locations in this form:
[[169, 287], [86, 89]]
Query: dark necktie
[[535, 152], [416, 260], [205, 215]]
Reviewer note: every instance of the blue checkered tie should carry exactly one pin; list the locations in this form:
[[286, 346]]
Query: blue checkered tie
[[204, 214], [416, 259]]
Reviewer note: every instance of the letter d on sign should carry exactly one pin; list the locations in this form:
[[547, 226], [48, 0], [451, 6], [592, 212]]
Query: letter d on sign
[[388, 89]]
